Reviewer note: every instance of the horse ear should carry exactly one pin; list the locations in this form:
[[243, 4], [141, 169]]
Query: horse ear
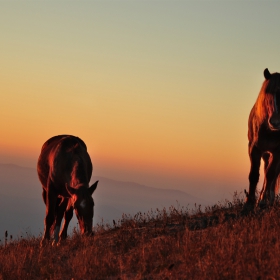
[[93, 188], [266, 74], [71, 191]]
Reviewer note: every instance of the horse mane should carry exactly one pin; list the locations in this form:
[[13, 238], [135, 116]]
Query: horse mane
[[260, 107], [265, 98]]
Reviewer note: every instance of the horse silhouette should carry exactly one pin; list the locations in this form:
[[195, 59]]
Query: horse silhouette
[[264, 141], [64, 169]]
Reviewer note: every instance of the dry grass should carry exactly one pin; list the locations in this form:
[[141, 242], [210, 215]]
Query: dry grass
[[219, 243]]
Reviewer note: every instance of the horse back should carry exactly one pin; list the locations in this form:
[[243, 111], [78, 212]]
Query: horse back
[[56, 160]]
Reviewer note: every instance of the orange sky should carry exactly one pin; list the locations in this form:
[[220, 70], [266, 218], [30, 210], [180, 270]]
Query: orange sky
[[160, 92]]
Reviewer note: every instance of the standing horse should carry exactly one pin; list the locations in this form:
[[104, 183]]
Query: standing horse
[[264, 140], [64, 169]]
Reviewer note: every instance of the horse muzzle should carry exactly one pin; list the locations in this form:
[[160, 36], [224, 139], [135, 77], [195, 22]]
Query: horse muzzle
[[86, 228], [274, 123]]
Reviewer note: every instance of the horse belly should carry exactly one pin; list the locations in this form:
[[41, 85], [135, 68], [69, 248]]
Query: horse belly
[[268, 143]]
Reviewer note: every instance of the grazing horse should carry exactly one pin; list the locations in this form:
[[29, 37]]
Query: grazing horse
[[264, 140], [64, 169]]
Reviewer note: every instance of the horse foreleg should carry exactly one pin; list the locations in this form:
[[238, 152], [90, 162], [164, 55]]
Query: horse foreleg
[[60, 209], [255, 158], [67, 218]]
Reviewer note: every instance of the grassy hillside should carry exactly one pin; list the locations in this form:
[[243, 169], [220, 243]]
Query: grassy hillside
[[175, 243]]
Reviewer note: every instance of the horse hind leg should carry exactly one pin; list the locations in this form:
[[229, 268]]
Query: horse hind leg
[[44, 195], [267, 158], [274, 189], [50, 212], [268, 192]]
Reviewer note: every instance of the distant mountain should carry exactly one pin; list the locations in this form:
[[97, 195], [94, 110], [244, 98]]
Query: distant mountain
[[22, 209], [129, 197]]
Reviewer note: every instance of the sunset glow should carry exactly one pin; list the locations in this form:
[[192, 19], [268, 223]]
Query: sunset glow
[[159, 91]]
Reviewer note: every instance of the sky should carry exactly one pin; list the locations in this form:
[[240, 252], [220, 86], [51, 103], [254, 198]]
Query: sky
[[160, 91]]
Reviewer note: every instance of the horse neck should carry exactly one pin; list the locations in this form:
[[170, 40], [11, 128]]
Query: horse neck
[[260, 107], [78, 175]]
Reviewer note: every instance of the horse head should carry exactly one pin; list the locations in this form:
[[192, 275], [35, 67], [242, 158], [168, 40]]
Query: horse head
[[83, 205], [272, 99]]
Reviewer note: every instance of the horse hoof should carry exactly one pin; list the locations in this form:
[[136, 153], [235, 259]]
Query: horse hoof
[[248, 208], [264, 205], [55, 243], [44, 242]]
